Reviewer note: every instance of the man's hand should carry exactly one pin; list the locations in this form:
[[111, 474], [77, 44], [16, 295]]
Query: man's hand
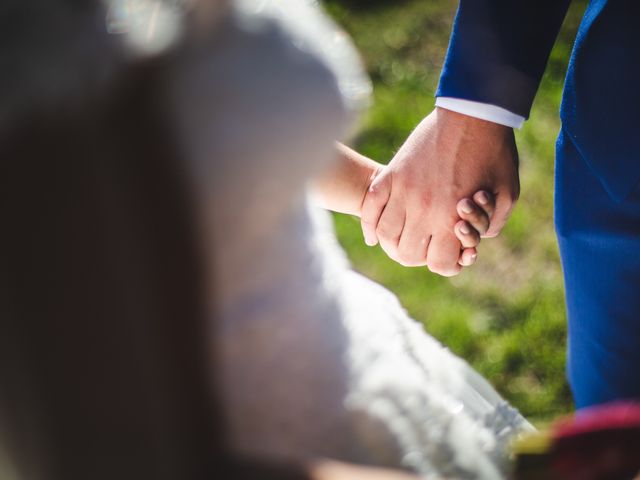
[[410, 208]]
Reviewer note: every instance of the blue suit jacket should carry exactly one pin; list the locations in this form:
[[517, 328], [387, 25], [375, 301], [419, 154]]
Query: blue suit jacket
[[498, 52]]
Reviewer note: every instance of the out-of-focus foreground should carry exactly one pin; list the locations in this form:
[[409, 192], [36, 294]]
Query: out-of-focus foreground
[[505, 315]]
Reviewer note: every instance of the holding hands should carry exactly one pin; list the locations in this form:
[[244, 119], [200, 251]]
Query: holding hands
[[453, 181], [443, 180]]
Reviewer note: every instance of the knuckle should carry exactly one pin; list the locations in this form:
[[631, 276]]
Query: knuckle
[[476, 217], [425, 200], [403, 259], [374, 188], [439, 266], [374, 193], [488, 197], [368, 222], [471, 242], [453, 271], [481, 228], [449, 272], [378, 188], [389, 249], [473, 228], [368, 216], [404, 263], [407, 259], [407, 182], [387, 233]]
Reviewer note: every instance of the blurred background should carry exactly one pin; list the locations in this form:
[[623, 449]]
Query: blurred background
[[506, 314]]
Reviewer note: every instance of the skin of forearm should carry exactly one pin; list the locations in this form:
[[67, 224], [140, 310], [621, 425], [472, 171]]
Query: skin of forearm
[[343, 188]]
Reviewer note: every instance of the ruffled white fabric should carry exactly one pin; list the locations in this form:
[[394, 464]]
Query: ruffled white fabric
[[315, 360], [414, 403]]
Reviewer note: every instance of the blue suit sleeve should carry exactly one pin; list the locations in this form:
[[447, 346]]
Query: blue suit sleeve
[[499, 49]]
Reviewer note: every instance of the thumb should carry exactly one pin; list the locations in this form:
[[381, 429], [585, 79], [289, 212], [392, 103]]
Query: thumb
[[505, 202], [375, 199]]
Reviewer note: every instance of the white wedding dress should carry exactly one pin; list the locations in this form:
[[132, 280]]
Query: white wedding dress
[[315, 359]]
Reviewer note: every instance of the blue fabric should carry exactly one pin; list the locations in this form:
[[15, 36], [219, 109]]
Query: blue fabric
[[599, 242], [497, 54], [498, 51], [601, 101]]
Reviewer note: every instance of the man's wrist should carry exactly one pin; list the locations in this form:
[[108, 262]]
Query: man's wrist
[[483, 111], [457, 124]]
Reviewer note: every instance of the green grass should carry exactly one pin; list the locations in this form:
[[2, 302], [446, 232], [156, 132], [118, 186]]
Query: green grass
[[506, 314]]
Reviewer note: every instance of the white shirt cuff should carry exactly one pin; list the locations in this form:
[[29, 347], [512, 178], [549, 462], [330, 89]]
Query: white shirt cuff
[[483, 111]]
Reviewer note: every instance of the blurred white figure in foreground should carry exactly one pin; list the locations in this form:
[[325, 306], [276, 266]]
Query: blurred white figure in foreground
[[316, 359]]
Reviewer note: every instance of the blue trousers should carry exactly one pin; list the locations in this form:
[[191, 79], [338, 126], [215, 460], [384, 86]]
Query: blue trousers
[[599, 243]]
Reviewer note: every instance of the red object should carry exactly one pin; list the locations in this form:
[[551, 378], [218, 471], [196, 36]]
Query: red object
[[598, 443]]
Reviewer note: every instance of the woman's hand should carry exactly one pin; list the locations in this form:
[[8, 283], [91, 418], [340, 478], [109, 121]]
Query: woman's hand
[[343, 188], [475, 217]]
